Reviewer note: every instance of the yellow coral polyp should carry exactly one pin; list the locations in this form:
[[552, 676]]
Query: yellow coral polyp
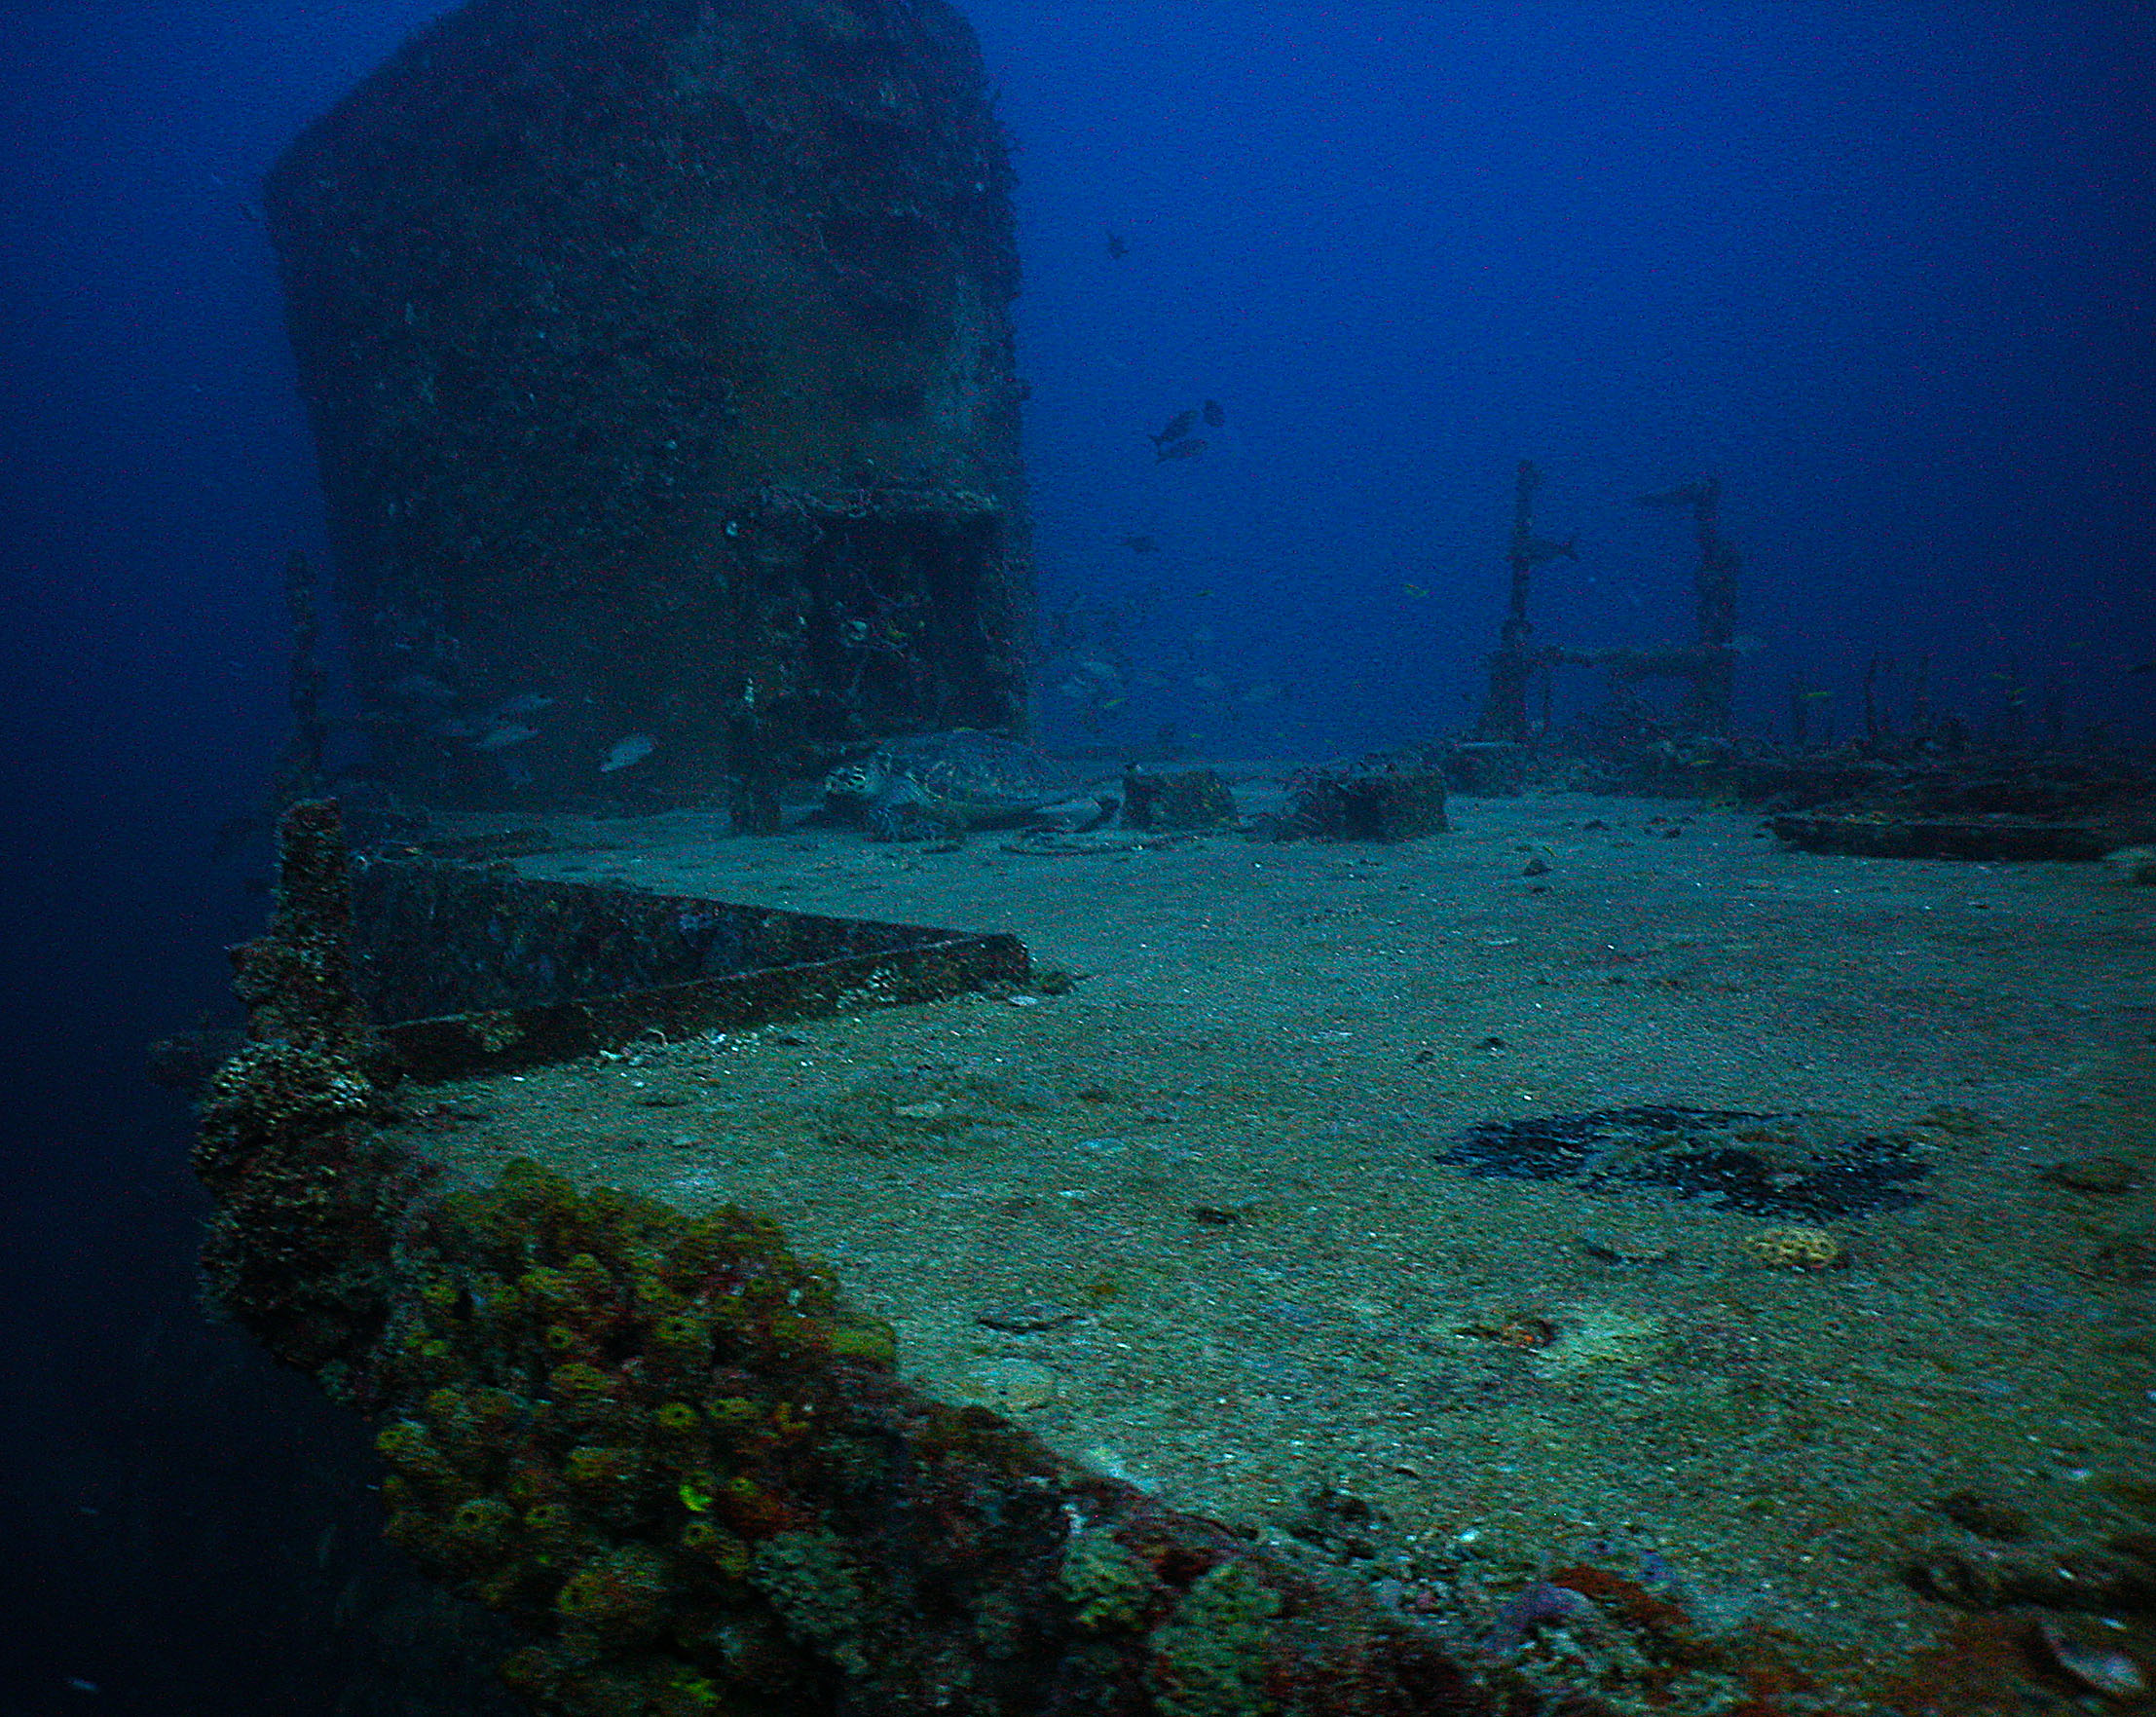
[[407, 1449], [478, 1534], [677, 1349], [678, 1419], [470, 1422], [750, 1509], [577, 1384], [446, 1406], [679, 1332], [602, 1474], [589, 1277], [530, 1485], [491, 1410], [423, 1356], [655, 1297], [530, 1671], [734, 1413], [561, 1339], [484, 1517], [552, 1528], [617, 1598], [717, 1549], [547, 1293]]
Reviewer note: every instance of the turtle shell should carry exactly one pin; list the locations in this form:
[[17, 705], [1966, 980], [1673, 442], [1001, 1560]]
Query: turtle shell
[[959, 779]]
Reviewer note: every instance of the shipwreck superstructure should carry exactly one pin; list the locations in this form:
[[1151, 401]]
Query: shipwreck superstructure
[[659, 361]]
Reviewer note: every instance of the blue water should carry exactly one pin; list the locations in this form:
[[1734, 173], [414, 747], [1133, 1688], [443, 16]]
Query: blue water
[[1883, 267]]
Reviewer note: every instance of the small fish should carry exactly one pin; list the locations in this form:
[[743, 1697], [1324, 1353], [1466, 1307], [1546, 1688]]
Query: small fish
[[1684, 495], [526, 703], [1117, 249], [508, 733], [1413, 590], [1140, 545], [421, 689], [1538, 550], [1215, 416], [1178, 425], [2142, 667], [634, 748], [1190, 449]]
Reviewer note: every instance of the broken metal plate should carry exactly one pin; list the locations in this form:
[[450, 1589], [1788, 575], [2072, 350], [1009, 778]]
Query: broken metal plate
[[470, 972], [1998, 836]]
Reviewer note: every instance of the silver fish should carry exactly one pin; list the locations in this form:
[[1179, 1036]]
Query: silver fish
[[1692, 494], [632, 749], [1539, 550], [421, 689]]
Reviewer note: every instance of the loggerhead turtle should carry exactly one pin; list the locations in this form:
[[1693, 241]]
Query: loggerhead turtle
[[925, 785]]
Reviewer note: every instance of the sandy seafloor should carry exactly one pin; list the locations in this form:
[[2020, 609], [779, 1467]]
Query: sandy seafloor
[[1213, 1159]]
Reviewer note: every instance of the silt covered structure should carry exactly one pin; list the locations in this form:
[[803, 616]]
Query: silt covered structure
[[659, 363]]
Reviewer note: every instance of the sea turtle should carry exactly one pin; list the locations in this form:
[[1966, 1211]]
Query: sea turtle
[[926, 785]]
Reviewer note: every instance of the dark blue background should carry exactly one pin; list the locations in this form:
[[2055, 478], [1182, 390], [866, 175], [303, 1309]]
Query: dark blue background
[[1885, 268]]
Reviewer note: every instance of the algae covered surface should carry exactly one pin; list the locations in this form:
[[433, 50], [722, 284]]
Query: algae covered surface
[[1305, 1185]]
